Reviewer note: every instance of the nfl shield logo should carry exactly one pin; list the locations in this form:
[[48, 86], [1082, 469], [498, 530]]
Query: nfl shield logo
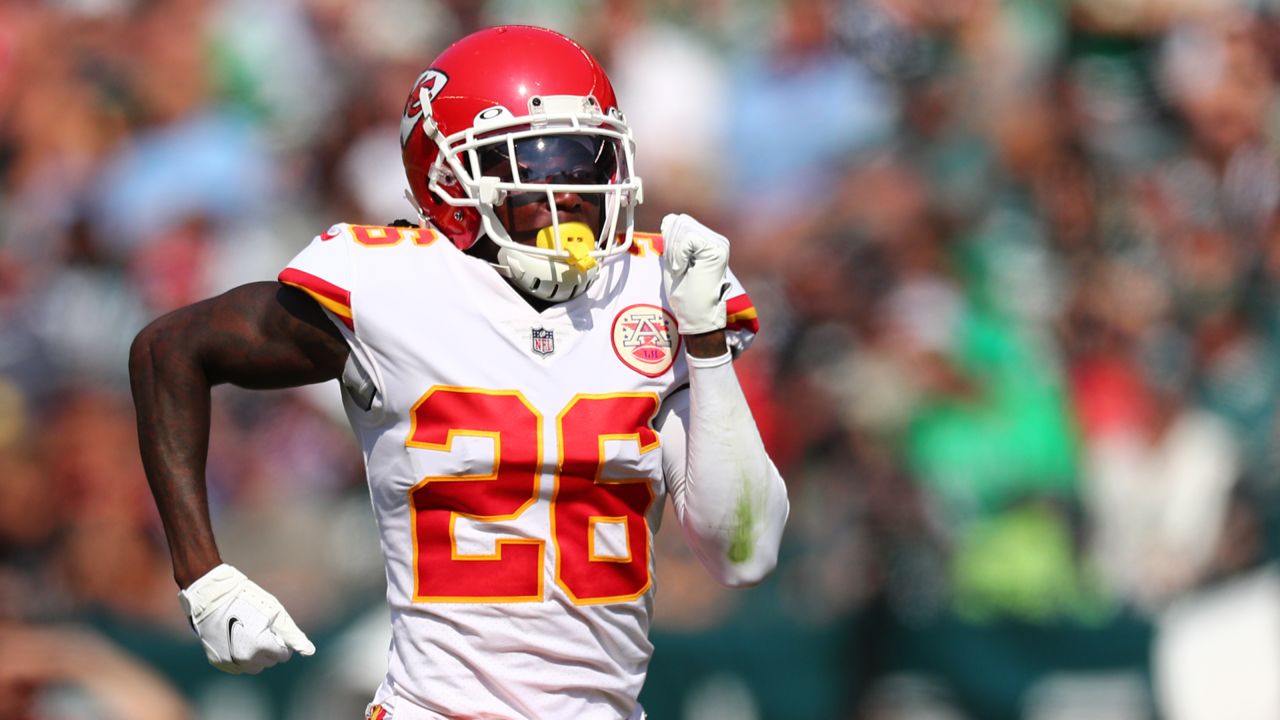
[[544, 341]]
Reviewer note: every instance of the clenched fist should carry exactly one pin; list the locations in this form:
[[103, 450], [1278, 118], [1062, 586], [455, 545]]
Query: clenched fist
[[694, 264], [243, 627]]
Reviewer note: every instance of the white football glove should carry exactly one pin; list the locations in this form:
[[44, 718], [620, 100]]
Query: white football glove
[[694, 262], [243, 627]]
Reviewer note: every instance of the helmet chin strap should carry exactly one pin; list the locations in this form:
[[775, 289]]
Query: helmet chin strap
[[536, 274], [422, 214], [542, 277], [538, 277]]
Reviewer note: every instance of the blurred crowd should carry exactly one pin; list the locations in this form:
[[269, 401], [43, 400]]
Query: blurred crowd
[[1018, 269]]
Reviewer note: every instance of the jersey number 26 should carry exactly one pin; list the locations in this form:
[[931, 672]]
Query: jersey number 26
[[581, 498]]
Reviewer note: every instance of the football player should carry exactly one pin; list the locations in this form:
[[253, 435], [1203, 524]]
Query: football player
[[530, 379]]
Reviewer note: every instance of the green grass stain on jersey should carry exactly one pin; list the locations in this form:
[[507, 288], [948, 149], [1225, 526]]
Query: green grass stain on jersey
[[743, 544]]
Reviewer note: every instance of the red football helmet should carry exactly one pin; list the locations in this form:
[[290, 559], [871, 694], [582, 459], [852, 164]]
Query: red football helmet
[[519, 109]]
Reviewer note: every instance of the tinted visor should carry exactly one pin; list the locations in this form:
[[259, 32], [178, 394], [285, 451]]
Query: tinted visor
[[552, 159]]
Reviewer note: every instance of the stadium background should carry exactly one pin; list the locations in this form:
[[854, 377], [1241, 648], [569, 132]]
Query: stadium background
[[1018, 264]]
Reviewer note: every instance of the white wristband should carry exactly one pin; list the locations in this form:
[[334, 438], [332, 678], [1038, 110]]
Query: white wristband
[[711, 362]]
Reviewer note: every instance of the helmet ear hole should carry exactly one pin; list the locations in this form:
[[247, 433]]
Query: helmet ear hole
[[443, 175]]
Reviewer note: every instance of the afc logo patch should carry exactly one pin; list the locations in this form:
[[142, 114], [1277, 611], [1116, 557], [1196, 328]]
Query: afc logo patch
[[543, 341], [645, 339]]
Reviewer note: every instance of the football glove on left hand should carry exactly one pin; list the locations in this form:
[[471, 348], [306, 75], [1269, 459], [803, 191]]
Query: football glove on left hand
[[243, 627], [695, 260]]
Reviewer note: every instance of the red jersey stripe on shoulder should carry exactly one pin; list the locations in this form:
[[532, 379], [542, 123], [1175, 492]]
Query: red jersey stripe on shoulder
[[333, 298], [313, 283], [640, 241], [738, 304], [741, 314]]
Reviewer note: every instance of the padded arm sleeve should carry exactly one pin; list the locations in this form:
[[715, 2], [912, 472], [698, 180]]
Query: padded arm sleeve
[[728, 496]]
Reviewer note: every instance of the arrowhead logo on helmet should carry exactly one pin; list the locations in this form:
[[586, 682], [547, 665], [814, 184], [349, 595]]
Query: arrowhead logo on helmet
[[433, 81]]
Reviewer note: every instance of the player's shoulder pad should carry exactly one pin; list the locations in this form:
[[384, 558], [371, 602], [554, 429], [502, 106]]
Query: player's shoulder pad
[[645, 244], [380, 236]]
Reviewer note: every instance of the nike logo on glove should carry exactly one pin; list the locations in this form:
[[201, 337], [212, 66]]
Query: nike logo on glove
[[231, 624], [224, 598]]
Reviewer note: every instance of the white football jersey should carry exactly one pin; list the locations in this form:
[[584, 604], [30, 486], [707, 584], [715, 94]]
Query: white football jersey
[[513, 466]]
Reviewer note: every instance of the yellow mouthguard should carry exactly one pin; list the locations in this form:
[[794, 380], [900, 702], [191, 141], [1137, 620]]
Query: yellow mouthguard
[[576, 239]]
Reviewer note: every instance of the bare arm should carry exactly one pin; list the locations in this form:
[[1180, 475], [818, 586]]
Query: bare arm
[[261, 335], [706, 345]]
